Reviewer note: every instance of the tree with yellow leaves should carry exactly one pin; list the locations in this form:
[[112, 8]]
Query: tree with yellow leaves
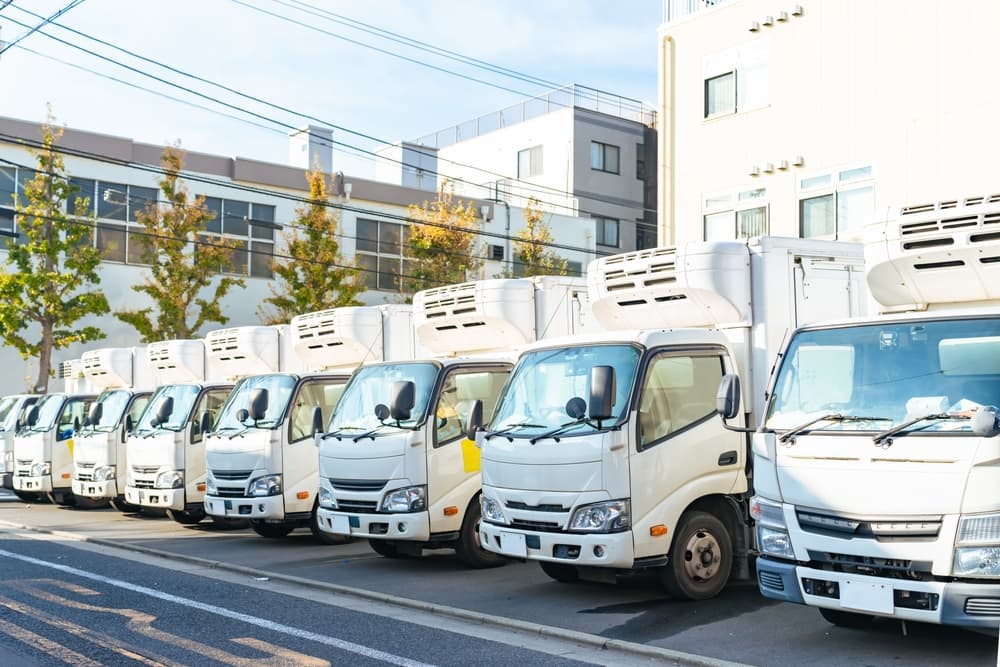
[[531, 255], [442, 243]]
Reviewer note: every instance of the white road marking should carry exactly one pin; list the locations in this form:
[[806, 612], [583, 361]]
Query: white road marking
[[340, 644]]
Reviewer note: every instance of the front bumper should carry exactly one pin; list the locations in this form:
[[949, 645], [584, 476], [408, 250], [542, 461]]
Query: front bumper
[[98, 490], [42, 484], [167, 499], [587, 549], [266, 507], [958, 603], [414, 526]]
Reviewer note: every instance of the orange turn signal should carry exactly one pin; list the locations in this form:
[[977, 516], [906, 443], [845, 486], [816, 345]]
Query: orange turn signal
[[201, 487], [659, 530], [450, 510], [66, 475], [302, 495]]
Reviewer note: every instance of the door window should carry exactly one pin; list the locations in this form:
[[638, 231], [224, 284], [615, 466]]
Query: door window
[[461, 389], [211, 402], [323, 393], [678, 391]]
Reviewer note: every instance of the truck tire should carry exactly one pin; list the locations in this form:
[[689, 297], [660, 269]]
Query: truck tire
[[125, 507], [272, 530], [84, 503], [700, 559], [846, 619], [564, 574], [28, 497], [468, 548], [186, 517], [322, 536], [385, 548]]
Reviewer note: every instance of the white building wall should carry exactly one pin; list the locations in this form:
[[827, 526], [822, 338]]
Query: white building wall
[[901, 86]]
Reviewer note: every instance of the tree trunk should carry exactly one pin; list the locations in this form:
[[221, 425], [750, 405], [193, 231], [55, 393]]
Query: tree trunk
[[41, 385]]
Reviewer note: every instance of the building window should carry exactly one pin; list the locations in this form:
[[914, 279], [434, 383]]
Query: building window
[[382, 254], [720, 94], [640, 163], [604, 157], [250, 227], [529, 162], [736, 80], [607, 231], [837, 203], [736, 215], [645, 235]]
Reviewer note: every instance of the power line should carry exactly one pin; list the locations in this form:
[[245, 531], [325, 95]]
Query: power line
[[527, 187], [31, 31]]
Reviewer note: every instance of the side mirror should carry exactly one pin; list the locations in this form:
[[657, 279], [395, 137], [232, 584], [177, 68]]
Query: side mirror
[[474, 421], [986, 422], [317, 420], [602, 392], [242, 415], [95, 414], [381, 412], [258, 404], [727, 401], [32, 416], [76, 424], [205, 422], [404, 395], [576, 408], [164, 410], [129, 427]]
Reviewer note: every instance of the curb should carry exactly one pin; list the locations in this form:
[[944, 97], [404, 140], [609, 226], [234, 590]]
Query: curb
[[675, 657]]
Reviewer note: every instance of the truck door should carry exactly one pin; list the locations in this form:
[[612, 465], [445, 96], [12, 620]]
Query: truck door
[[682, 452], [453, 460], [300, 459], [194, 454]]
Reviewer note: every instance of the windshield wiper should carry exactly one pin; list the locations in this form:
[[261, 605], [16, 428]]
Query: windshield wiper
[[879, 438], [832, 417], [554, 433], [336, 433], [507, 429], [371, 433]]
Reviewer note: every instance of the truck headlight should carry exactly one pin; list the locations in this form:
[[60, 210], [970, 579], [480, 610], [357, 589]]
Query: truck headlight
[[772, 533], [41, 469], [407, 499], [492, 511], [605, 517], [171, 479], [104, 473], [326, 499], [211, 488], [977, 546], [767, 512], [268, 485]]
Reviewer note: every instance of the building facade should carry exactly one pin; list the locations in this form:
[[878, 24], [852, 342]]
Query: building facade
[[808, 118]]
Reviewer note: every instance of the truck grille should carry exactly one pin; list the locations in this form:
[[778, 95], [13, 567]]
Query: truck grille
[[231, 492], [518, 505], [771, 580], [876, 567], [145, 470], [982, 606], [358, 484], [541, 526], [85, 476], [888, 529], [142, 483], [356, 505], [231, 475]]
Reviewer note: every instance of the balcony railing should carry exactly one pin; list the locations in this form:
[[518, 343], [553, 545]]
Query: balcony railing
[[678, 9]]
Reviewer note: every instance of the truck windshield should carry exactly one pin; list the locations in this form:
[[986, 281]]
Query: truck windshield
[[279, 392], [184, 396], [893, 372], [7, 413], [113, 404], [48, 411], [534, 401], [372, 385]]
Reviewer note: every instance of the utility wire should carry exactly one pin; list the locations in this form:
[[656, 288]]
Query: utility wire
[[31, 31]]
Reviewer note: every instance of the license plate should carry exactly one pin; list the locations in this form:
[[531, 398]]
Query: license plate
[[340, 524], [513, 544], [866, 596], [228, 504]]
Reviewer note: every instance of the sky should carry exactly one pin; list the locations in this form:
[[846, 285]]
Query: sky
[[314, 60]]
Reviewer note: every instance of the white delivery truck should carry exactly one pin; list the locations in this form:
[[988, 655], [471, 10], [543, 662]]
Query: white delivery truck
[[43, 447], [605, 454], [125, 380], [261, 456], [165, 447], [13, 409], [395, 466], [877, 462]]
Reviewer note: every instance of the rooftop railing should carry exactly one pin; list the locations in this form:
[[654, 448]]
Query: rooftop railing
[[678, 9]]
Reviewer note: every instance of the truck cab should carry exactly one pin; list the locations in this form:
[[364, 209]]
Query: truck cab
[[13, 410], [396, 466], [877, 463], [125, 381], [165, 447], [261, 456]]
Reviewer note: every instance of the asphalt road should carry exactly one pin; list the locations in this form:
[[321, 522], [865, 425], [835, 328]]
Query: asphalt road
[[738, 626]]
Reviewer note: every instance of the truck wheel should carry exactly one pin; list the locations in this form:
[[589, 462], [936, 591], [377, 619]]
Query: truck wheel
[[28, 497], [125, 507], [384, 548], [468, 548], [90, 503], [186, 517], [272, 530], [701, 558], [846, 619], [564, 574], [322, 536]]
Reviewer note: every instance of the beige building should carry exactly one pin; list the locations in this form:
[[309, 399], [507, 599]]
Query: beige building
[[806, 118]]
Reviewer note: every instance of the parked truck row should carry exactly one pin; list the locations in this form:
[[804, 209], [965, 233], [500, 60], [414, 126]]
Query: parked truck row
[[821, 416]]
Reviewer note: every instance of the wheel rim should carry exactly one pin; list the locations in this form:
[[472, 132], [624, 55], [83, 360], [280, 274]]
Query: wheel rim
[[702, 556]]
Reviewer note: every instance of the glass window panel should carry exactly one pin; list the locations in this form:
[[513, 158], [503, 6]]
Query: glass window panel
[[823, 180], [138, 242], [112, 206], [720, 94], [536, 160], [139, 198], [718, 200], [817, 216], [751, 222], [367, 232], [8, 185], [719, 226], [368, 265], [855, 208], [855, 174], [261, 256], [678, 392], [388, 238], [752, 87], [406, 240], [409, 268], [612, 159], [24, 176], [388, 274], [263, 213], [524, 163], [111, 242], [234, 217], [6, 223], [596, 156], [214, 204], [84, 190], [238, 259], [758, 193]]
